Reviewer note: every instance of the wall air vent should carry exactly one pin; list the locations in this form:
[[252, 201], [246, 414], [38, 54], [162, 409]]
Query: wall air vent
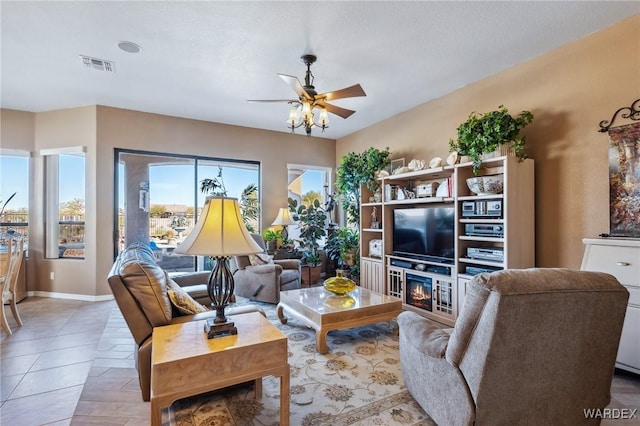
[[98, 64]]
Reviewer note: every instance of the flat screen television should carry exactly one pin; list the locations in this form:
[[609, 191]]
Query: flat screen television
[[424, 233]]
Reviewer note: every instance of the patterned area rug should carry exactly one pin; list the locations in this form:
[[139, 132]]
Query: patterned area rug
[[359, 382]]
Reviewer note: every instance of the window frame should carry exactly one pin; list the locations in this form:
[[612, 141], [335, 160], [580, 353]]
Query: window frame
[[52, 200], [197, 196]]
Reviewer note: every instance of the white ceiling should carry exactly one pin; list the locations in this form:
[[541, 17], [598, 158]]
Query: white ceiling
[[204, 60]]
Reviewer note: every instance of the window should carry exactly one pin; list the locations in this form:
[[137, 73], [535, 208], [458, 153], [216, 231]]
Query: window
[[308, 183], [14, 179], [159, 200], [65, 202]]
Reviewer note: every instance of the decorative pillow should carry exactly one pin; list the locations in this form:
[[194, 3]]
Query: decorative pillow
[[260, 259], [183, 302]]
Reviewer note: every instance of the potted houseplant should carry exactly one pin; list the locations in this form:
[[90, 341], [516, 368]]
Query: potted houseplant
[[343, 245], [356, 170], [483, 133], [349, 241], [271, 238], [312, 220]]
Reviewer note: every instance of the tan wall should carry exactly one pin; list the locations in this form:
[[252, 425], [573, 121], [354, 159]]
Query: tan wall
[[33, 132], [17, 132], [569, 91], [17, 129], [101, 130], [59, 129]]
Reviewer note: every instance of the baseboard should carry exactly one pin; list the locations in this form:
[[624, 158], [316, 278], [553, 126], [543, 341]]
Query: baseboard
[[71, 296]]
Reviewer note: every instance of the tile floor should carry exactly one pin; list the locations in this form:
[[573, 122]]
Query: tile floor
[[72, 364]]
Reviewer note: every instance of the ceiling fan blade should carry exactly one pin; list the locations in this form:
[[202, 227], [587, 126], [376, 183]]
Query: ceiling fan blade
[[296, 86], [291, 101], [339, 111], [348, 92]]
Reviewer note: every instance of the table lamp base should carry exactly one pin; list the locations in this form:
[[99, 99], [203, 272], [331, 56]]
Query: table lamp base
[[219, 329]]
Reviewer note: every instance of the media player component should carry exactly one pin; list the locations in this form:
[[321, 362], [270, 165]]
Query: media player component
[[495, 254], [482, 208], [484, 230], [475, 270]]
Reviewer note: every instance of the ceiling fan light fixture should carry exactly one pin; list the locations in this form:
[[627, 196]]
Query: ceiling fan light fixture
[[308, 100], [293, 116], [324, 118], [298, 117]]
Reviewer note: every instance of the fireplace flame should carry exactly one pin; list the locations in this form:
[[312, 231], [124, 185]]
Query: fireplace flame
[[417, 293]]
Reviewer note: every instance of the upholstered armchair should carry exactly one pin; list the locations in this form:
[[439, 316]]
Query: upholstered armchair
[[533, 346], [263, 282]]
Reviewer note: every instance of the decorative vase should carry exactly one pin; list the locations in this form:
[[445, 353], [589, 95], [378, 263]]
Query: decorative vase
[[339, 285], [503, 150], [349, 258], [272, 246]]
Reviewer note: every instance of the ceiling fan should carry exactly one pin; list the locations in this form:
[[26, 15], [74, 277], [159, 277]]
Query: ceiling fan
[[308, 100]]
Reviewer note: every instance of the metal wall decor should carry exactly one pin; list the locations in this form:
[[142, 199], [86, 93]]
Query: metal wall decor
[[631, 112]]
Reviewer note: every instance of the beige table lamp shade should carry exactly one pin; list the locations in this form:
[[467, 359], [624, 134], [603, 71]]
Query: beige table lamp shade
[[219, 231]]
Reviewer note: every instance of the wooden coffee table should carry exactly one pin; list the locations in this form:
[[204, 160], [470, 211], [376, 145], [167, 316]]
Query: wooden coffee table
[[186, 363], [324, 311]]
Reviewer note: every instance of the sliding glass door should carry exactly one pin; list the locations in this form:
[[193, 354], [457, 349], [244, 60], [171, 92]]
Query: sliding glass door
[[159, 198]]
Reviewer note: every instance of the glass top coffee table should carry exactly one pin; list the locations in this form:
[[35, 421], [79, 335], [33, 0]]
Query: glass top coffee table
[[324, 311]]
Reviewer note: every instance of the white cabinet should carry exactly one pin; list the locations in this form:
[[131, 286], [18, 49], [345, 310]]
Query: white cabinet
[[620, 258], [371, 276], [433, 295]]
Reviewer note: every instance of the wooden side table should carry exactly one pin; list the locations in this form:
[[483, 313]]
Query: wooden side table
[[185, 363]]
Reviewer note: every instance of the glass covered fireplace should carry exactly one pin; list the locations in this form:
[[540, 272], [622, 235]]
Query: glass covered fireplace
[[419, 291]]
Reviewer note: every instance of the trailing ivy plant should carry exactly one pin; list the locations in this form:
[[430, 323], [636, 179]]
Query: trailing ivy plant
[[483, 133], [356, 170]]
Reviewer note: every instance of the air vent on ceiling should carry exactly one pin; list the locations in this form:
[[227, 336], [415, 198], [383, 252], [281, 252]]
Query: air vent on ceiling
[[98, 64]]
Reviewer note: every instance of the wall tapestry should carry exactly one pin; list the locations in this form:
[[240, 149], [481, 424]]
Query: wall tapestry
[[624, 173]]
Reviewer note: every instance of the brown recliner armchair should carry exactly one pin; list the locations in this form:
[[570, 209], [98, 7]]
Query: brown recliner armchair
[[139, 286], [532, 346], [264, 282]]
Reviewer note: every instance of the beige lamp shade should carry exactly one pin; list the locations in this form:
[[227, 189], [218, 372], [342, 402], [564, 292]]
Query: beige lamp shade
[[219, 231], [284, 217]]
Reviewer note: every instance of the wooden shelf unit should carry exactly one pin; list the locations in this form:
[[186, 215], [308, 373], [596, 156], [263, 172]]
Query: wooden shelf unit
[[448, 281]]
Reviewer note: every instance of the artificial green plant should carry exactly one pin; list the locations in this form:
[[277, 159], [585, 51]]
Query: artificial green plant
[[312, 220], [356, 170], [483, 133]]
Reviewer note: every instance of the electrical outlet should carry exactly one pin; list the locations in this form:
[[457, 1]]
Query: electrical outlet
[[52, 275]]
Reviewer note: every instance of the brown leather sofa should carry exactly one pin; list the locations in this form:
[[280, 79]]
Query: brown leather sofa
[[139, 286]]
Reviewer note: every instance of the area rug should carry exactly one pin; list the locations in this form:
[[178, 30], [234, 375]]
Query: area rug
[[359, 382]]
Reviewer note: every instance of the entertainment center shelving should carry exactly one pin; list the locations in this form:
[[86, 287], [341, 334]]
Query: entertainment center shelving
[[435, 287]]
